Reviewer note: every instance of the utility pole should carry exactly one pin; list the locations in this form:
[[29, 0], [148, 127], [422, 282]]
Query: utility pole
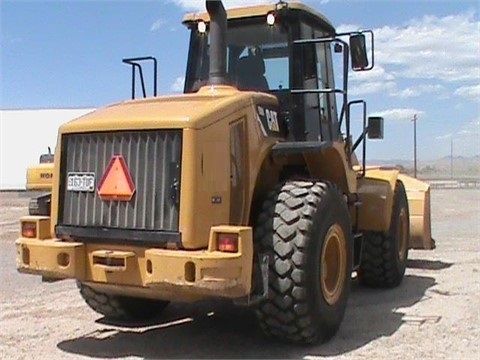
[[451, 158], [415, 146]]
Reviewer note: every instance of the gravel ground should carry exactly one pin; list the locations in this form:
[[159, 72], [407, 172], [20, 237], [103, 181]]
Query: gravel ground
[[434, 314]]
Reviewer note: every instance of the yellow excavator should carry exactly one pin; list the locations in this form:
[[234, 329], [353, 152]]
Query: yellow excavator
[[246, 186], [40, 176]]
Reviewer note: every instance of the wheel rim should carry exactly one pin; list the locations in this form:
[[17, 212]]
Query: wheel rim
[[333, 259], [402, 234]]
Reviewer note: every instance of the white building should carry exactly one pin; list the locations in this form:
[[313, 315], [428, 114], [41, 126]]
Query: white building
[[24, 135]]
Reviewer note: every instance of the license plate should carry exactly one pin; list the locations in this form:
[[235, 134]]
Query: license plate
[[81, 181]]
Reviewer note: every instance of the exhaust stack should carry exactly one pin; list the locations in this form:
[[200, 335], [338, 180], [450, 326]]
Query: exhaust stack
[[218, 43]]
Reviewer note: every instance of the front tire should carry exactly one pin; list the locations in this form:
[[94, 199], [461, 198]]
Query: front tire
[[305, 229], [384, 255], [121, 307]]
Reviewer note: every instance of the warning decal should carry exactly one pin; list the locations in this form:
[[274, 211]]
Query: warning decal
[[116, 183]]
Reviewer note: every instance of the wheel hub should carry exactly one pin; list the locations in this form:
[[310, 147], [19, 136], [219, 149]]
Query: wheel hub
[[333, 264], [402, 234]]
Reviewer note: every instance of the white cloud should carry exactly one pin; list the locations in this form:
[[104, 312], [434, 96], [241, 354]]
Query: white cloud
[[378, 73], [469, 92], [371, 87], [444, 137], [177, 86], [399, 114], [415, 91], [468, 132], [10, 40], [406, 93], [369, 82], [467, 140], [471, 128], [443, 48], [345, 28], [157, 24]]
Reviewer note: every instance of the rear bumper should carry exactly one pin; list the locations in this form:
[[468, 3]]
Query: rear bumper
[[171, 272]]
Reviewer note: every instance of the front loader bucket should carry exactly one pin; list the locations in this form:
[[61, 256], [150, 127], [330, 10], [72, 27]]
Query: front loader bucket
[[418, 194]]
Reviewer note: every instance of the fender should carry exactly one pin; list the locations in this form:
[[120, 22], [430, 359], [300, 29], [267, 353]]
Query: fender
[[325, 160], [376, 192]]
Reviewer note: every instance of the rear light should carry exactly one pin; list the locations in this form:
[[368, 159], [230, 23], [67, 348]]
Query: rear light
[[227, 242], [29, 230]]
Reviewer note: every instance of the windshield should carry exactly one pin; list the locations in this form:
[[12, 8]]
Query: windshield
[[257, 58]]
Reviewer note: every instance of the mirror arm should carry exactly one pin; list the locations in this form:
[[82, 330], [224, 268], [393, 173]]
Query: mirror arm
[[360, 138]]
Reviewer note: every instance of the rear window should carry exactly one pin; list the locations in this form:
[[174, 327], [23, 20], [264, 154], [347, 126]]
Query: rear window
[[46, 158]]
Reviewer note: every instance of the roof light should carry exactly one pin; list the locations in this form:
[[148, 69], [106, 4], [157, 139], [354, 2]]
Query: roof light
[[201, 27], [271, 18]]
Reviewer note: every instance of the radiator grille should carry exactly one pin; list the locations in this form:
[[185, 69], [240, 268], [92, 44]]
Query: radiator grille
[[153, 159]]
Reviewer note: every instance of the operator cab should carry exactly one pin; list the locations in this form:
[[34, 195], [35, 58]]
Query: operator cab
[[47, 158], [261, 56]]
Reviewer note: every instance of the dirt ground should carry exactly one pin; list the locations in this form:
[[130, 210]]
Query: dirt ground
[[434, 314]]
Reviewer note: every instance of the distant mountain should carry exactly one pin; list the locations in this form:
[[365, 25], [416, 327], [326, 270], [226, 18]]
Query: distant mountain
[[391, 162], [445, 167]]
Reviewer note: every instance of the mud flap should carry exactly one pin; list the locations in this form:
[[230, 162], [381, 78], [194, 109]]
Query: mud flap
[[262, 294]]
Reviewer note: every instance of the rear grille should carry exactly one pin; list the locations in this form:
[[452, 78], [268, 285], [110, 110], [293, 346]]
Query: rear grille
[[153, 159]]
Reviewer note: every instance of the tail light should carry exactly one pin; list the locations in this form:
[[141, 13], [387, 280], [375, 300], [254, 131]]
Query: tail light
[[29, 230], [227, 242]]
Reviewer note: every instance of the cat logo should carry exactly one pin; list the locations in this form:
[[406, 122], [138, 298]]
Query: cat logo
[[269, 118], [272, 120]]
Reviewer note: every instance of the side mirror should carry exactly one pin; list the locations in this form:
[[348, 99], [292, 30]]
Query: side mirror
[[375, 127], [358, 52]]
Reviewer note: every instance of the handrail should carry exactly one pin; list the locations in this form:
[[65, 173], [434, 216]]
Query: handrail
[[345, 109], [133, 62]]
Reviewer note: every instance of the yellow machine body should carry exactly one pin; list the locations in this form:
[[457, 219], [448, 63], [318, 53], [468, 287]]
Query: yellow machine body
[[40, 177], [227, 167]]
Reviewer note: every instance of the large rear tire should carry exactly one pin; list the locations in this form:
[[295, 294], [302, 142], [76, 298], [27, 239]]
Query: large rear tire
[[121, 307], [304, 228], [384, 255]]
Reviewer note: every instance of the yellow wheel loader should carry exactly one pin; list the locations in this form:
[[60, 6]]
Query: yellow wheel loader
[[245, 187], [40, 176]]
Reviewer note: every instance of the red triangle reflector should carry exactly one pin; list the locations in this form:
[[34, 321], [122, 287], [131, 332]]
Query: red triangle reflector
[[116, 183]]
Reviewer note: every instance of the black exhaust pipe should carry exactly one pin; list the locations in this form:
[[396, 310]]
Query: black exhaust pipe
[[218, 43]]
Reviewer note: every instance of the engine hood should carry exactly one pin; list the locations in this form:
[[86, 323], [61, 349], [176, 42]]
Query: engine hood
[[194, 111]]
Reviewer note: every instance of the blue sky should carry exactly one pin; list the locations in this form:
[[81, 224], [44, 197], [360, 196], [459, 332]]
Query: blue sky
[[63, 54]]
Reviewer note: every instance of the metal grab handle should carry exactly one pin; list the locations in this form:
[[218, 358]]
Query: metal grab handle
[[110, 260]]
